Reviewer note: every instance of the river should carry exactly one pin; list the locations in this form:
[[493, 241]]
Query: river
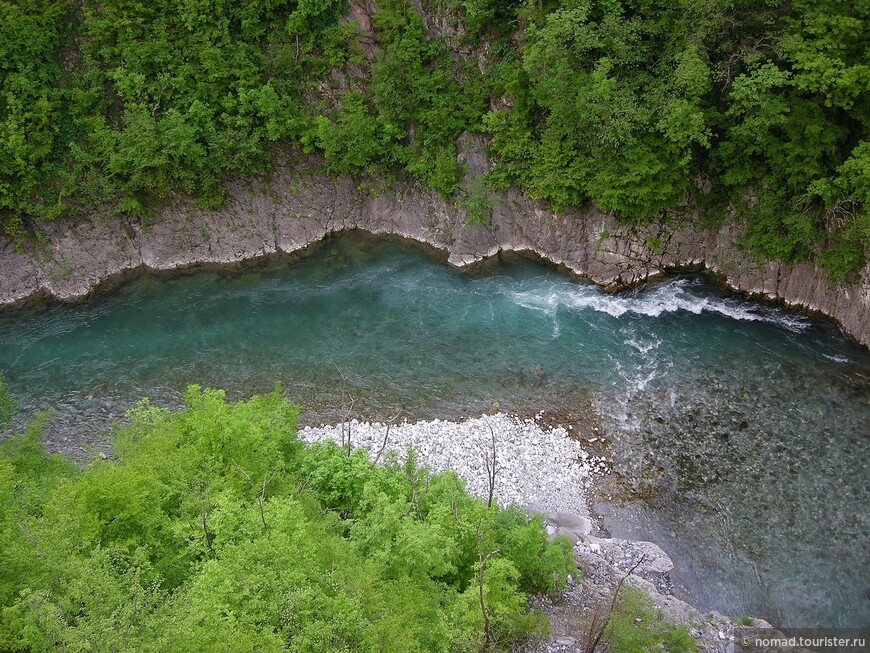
[[738, 432]]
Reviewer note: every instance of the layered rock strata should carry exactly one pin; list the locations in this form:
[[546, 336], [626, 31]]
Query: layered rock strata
[[292, 210]]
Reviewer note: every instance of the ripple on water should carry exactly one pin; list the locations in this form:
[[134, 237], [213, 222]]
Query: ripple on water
[[745, 426]]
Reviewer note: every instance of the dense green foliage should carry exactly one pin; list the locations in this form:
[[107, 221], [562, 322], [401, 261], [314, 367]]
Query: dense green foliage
[[413, 89], [656, 103], [750, 108], [214, 529], [636, 626], [120, 103]]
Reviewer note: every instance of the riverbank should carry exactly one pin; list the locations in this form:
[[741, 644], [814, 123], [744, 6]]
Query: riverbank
[[718, 413], [549, 469], [295, 209]]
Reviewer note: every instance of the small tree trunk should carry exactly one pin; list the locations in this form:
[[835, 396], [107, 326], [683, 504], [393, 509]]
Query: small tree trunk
[[200, 490], [261, 493], [490, 460], [488, 638], [387, 435], [261, 497]]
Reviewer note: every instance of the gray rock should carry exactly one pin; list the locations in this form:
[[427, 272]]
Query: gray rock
[[569, 521], [291, 210], [571, 535], [625, 554]]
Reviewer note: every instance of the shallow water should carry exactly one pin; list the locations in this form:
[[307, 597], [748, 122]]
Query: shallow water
[[745, 428]]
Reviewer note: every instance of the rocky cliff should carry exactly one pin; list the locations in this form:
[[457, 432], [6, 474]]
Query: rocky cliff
[[293, 209]]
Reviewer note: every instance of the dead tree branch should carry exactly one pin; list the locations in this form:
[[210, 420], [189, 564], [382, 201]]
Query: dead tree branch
[[201, 491], [347, 403], [596, 627], [261, 493], [490, 460], [387, 435]]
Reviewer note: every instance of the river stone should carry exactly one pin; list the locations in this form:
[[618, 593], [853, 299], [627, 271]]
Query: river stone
[[568, 523], [624, 555], [571, 535], [551, 477]]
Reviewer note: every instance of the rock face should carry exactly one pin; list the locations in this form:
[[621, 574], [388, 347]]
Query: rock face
[[602, 564], [292, 210]]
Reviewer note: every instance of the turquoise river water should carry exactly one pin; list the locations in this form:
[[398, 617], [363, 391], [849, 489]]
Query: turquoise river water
[[739, 432]]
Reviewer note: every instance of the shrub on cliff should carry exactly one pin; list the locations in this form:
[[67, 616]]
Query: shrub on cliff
[[757, 110]]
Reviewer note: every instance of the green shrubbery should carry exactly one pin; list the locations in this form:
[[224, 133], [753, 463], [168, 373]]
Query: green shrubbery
[[636, 626], [635, 106], [119, 104], [214, 529]]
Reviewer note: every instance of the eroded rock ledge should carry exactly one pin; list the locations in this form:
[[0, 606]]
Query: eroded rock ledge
[[290, 211]]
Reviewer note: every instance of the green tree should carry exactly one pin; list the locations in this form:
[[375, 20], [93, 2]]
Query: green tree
[[170, 546]]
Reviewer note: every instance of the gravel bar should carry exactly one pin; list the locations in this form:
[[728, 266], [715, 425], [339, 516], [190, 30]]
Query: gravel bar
[[543, 470]]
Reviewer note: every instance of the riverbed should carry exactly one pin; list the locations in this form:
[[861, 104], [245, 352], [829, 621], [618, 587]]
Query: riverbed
[[738, 433]]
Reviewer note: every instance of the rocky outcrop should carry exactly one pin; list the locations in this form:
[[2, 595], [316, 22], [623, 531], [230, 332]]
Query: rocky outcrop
[[605, 563], [544, 469], [589, 597], [291, 210]]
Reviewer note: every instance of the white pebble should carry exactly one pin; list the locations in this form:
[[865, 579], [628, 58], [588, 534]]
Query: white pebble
[[545, 471]]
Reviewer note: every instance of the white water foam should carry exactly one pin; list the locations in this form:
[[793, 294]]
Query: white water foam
[[642, 346], [647, 366], [669, 297]]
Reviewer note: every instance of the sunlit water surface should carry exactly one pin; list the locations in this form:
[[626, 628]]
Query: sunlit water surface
[[742, 431]]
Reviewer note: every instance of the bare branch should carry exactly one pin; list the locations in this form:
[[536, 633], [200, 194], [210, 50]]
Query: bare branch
[[244, 473], [490, 461], [596, 630], [488, 637], [413, 505], [261, 497], [261, 493], [387, 434], [347, 403]]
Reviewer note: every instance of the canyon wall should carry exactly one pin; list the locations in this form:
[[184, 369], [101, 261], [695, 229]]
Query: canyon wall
[[293, 209]]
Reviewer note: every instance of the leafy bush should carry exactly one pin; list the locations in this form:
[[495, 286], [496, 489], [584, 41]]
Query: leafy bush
[[761, 99], [213, 528], [636, 626], [121, 104], [478, 203]]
